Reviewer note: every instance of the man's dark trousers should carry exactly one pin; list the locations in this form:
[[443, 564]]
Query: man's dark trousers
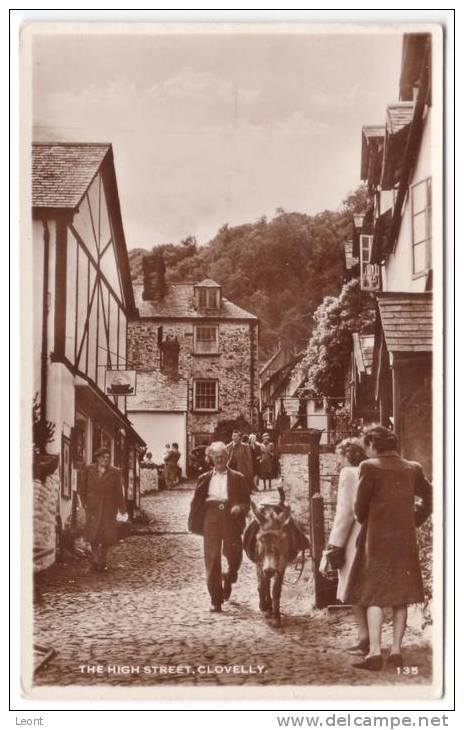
[[221, 535], [99, 553]]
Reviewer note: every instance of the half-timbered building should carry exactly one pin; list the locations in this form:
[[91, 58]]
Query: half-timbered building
[[82, 301], [394, 245]]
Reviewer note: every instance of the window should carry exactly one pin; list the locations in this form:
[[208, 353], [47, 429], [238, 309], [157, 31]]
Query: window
[[208, 297], [205, 395], [206, 339], [421, 207], [201, 439], [370, 273]]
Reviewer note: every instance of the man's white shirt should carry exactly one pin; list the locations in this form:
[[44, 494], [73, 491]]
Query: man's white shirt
[[217, 488]]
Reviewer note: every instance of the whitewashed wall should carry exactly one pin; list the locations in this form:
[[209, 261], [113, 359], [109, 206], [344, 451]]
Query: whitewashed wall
[[397, 273]]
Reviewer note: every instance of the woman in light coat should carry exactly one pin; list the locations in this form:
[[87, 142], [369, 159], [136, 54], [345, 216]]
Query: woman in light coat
[[345, 529]]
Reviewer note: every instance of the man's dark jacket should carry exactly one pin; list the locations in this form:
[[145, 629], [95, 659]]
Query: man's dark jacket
[[102, 498], [238, 494]]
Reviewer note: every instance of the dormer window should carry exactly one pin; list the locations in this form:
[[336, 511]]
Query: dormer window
[[208, 295]]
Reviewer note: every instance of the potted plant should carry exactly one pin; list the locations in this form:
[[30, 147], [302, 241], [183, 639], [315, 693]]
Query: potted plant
[[43, 431]]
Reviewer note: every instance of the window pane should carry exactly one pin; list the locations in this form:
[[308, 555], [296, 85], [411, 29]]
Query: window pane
[[419, 196], [420, 257], [205, 394], [206, 339], [212, 295], [201, 439], [419, 223]]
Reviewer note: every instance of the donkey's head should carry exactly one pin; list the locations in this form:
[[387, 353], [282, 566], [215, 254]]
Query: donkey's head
[[272, 538]]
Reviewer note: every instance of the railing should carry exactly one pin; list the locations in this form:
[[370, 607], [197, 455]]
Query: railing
[[331, 416]]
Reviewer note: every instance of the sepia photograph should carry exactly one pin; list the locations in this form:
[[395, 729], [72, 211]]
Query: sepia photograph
[[232, 378]]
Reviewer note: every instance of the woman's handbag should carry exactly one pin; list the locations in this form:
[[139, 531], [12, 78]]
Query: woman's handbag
[[335, 556]]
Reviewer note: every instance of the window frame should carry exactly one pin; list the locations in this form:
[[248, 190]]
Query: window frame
[[196, 329], [427, 241], [201, 434], [211, 296], [196, 382]]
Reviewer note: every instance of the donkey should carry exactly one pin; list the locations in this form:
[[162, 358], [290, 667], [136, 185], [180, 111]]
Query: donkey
[[273, 553]]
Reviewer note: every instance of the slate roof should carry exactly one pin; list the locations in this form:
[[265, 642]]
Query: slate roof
[[178, 303], [399, 115], [158, 392], [373, 130], [407, 320], [61, 173], [208, 282]]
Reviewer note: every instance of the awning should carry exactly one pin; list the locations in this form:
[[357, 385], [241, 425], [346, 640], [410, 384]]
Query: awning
[[407, 321], [100, 410]]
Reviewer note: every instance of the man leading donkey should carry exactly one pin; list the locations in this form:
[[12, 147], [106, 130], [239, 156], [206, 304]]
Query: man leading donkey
[[217, 512]]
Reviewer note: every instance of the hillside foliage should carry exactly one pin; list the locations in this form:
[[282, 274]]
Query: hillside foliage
[[278, 269]]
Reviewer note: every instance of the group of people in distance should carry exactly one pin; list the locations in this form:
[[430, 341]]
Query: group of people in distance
[[381, 500], [255, 459]]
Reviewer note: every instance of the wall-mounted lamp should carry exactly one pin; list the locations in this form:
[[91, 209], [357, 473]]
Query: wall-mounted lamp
[[358, 219]]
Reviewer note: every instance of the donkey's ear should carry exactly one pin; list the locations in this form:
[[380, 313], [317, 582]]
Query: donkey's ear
[[257, 513], [284, 517]]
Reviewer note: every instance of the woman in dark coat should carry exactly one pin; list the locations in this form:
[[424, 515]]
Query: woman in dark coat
[[386, 569], [100, 491]]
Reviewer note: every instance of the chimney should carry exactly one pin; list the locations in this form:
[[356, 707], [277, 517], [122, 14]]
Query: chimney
[[154, 282]]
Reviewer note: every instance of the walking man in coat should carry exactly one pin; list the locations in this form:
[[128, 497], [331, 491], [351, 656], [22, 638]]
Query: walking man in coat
[[100, 491], [218, 510], [240, 458]]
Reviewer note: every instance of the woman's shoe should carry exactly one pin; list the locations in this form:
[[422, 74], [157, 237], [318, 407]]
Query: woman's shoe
[[373, 663], [359, 649], [395, 660]]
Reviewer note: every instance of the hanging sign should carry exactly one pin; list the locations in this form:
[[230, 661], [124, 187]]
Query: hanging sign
[[120, 382]]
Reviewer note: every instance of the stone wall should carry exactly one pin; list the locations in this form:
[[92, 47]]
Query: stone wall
[[329, 473], [45, 509], [295, 481], [238, 387], [148, 480]]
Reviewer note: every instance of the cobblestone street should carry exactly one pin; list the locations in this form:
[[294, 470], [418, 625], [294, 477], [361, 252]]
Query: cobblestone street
[[151, 611]]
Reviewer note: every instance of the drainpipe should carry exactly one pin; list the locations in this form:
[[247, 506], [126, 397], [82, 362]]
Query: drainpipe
[[44, 347], [252, 374]]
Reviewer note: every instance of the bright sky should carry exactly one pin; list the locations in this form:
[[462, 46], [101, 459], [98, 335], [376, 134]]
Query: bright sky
[[208, 130]]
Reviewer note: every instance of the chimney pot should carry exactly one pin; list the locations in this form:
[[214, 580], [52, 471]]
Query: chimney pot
[[154, 279]]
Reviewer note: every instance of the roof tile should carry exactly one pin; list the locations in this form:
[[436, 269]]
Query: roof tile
[[61, 173], [407, 321], [178, 302], [399, 115]]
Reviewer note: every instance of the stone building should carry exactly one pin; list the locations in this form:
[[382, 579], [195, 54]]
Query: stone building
[[82, 298], [196, 356]]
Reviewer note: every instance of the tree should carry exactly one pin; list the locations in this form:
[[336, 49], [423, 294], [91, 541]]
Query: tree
[[328, 352], [279, 269]]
